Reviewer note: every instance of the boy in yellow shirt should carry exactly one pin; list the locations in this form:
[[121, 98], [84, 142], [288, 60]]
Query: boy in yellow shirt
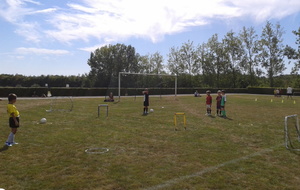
[[14, 121]]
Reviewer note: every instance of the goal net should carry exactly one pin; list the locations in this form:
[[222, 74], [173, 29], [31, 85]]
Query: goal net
[[61, 103], [132, 84], [292, 133]]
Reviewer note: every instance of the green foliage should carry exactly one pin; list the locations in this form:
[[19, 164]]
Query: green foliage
[[294, 54], [271, 51], [106, 63], [35, 81]]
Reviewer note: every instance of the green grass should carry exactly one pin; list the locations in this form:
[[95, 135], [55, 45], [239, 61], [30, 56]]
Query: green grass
[[145, 152]]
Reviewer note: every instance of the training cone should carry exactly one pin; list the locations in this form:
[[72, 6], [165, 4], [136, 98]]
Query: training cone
[[294, 101], [255, 99], [271, 100], [281, 101]]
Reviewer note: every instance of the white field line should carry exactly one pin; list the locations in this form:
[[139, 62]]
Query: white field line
[[209, 169]]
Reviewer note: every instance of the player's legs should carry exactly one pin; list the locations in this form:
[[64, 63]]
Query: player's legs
[[145, 109], [208, 109], [223, 112], [146, 104], [11, 137]]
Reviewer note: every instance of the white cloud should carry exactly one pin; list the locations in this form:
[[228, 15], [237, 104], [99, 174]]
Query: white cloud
[[15, 12], [93, 48], [119, 19], [122, 19], [106, 21], [23, 50], [267, 9], [33, 2], [50, 10], [29, 31]]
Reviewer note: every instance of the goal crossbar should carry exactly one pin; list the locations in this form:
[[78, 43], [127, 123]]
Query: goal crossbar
[[146, 74]]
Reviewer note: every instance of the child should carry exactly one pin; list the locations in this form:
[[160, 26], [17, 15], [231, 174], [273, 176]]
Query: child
[[146, 101], [208, 103], [218, 100], [289, 92], [110, 98], [223, 101], [14, 121], [196, 94]]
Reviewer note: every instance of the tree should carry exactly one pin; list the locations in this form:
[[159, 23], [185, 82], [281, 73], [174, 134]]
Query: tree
[[156, 61], [175, 65], [183, 59], [235, 52], [106, 63], [189, 57], [249, 63], [271, 51], [144, 63], [294, 54], [214, 60], [184, 62], [152, 63]]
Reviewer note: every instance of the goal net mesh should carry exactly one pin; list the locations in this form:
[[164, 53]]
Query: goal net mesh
[[132, 84], [61, 104], [292, 133]]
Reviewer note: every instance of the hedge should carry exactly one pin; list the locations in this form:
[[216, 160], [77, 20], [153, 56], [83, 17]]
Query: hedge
[[64, 91]]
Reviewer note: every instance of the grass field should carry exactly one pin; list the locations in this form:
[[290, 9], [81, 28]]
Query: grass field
[[145, 152]]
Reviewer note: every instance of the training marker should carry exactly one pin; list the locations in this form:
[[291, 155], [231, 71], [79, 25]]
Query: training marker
[[103, 105], [175, 120]]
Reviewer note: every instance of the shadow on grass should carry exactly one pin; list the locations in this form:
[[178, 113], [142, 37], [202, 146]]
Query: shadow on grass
[[4, 148], [295, 152], [228, 118]]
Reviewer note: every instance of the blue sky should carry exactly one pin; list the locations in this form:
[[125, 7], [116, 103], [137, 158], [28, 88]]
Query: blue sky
[[55, 37]]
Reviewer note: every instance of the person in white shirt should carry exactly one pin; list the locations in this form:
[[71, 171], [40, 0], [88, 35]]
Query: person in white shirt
[[289, 92]]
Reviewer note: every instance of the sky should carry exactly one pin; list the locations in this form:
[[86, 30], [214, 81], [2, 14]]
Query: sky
[[56, 37]]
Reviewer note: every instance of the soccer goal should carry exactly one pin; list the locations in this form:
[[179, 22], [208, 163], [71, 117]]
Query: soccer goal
[[137, 81], [292, 133], [61, 103]]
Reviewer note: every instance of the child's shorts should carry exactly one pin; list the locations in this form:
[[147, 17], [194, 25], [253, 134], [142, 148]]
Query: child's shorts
[[12, 122], [146, 103], [208, 106]]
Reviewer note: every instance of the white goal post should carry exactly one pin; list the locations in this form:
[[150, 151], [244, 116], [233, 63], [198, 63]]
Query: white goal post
[[146, 74]]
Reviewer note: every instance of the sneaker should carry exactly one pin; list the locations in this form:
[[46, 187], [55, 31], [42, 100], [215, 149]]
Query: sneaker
[[8, 144], [14, 143]]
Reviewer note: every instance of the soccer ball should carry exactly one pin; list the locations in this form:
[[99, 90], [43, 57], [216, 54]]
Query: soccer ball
[[151, 110], [43, 120]]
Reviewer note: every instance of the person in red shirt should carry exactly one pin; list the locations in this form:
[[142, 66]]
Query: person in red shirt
[[208, 103]]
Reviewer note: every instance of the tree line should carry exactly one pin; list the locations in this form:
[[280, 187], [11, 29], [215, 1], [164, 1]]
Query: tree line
[[236, 60]]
